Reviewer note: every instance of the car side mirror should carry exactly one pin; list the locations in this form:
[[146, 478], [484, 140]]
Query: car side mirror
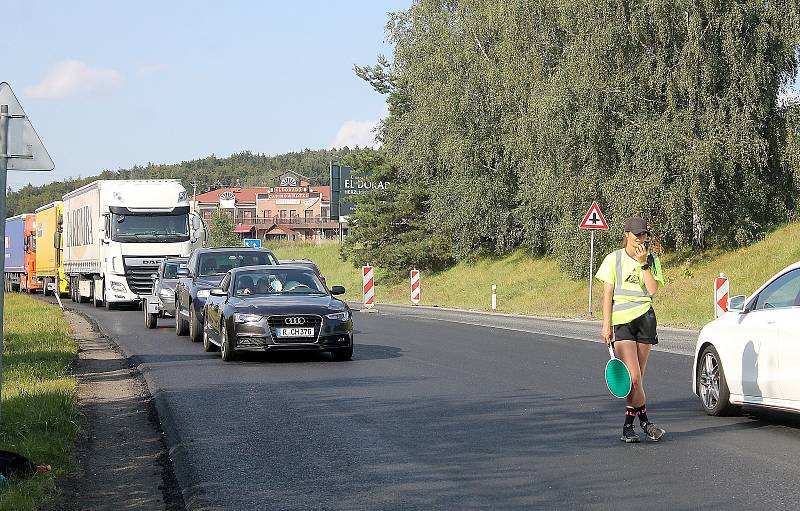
[[337, 290], [217, 292], [153, 277], [184, 272], [737, 302]]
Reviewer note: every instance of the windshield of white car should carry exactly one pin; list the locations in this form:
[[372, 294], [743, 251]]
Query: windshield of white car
[[219, 263], [293, 281], [149, 228], [171, 270]]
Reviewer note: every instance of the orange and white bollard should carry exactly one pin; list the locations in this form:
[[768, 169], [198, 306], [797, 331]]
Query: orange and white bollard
[[415, 287], [721, 292], [368, 286], [494, 297]]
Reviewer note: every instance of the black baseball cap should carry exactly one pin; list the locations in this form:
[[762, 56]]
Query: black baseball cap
[[636, 225]]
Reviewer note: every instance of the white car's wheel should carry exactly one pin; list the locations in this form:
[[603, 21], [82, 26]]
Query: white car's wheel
[[711, 384]]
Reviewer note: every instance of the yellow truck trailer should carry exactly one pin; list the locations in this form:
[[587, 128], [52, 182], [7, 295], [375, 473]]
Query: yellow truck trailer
[[49, 248]]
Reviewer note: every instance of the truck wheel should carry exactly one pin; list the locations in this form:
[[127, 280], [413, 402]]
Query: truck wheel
[[195, 328]]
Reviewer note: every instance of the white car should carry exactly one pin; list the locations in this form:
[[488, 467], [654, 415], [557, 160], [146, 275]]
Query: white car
[[751, 354]]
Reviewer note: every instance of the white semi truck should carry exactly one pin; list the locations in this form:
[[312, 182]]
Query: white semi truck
[[116, 233]]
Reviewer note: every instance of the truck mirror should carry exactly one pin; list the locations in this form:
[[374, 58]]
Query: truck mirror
[[57, 240]]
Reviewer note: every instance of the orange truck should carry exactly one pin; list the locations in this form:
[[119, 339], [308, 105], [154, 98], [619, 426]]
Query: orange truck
[[20, 253], [29, 282]]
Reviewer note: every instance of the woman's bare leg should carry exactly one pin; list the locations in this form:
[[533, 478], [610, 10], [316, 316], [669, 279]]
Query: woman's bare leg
[[629, 354]]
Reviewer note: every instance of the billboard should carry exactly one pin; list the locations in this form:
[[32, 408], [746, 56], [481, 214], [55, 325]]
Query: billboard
[[344, 185]]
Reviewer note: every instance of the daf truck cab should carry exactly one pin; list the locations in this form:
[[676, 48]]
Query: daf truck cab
[[117, 233]]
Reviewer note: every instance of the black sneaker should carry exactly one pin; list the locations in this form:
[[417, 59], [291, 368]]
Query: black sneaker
[[629, 435], [654, 432]]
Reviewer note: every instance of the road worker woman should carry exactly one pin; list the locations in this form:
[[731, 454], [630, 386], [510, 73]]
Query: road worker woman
[[632, 275]]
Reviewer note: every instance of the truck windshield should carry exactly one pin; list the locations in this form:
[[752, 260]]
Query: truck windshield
[[149, 228]]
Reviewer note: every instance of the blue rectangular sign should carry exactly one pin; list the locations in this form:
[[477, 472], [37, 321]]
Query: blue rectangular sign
[[252, 242]]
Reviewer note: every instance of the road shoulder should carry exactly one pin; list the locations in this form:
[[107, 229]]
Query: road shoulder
[[121, 460]]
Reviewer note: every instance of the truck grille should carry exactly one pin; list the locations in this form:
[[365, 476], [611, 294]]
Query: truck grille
[[139, 280], [311, 320]]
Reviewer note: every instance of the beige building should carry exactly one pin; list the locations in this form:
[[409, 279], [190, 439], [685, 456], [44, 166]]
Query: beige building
[[293, 209]]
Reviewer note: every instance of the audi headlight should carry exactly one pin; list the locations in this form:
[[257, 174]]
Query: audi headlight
[[246, 318], [339, 316], [118, 286], [204, 293]]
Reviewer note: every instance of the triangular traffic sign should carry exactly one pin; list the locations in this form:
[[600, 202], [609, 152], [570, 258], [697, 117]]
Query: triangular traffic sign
[[594, 219], [25, 149]]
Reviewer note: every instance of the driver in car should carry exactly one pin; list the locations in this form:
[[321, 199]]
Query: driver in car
[[244, 286]]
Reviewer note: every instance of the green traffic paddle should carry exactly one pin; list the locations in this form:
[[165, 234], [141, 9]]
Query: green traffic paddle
[[618, 378]]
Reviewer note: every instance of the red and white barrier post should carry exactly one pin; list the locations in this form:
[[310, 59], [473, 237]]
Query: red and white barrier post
[[415, 287], [721, 292], [368, 286], [494, 297]]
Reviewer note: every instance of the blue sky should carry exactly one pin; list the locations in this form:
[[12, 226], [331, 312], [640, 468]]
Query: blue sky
[[109, 85]]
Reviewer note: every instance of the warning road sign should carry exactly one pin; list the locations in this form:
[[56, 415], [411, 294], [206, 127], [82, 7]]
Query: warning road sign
[[594, 219]]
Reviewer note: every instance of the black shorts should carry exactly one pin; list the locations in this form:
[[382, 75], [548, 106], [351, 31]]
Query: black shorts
[[641, 329]]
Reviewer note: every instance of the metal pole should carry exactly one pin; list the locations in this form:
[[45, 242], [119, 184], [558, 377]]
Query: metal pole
[[591, 270], [3, 170]]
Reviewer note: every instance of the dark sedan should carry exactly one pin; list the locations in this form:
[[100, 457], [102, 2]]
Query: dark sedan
[[274, 308], [204, 271]]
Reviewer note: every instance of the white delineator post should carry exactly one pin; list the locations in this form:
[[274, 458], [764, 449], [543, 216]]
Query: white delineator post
[[721, 292], [494, 297], [415, 287], [368, 286]]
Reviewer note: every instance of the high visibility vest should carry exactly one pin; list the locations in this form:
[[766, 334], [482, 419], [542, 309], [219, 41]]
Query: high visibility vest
[[631, 299]]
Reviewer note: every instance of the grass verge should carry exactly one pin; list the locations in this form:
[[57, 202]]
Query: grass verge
[[535, 286], [39, 403]]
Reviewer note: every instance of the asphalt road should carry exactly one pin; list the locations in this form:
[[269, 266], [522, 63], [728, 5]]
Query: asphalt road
[[435, 413]]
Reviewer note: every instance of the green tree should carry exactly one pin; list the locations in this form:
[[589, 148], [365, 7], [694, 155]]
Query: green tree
[[388, 226], [511, 117], [221, 228]]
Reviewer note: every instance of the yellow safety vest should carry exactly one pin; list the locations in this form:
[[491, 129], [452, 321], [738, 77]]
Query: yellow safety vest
[[631, 298]]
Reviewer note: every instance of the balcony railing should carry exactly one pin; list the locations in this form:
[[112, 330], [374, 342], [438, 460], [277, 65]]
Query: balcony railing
[[281, 220]]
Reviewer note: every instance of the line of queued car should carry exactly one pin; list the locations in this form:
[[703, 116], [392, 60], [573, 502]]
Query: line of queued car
[[242, 299]]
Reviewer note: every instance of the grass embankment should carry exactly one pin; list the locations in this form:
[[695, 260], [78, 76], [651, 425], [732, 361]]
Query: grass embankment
[[534, 285], [39, 405]]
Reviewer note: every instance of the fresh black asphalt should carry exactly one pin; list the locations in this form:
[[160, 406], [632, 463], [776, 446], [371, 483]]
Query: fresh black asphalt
[[434, 414]]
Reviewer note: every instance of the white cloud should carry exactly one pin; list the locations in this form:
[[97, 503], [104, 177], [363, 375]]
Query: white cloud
[[356, 133], [73, 77]]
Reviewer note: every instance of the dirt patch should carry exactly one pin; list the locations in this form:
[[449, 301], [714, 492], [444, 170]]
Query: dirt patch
[[121, 459]]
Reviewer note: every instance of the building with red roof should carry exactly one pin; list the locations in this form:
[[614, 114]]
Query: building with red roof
[[292, 209]]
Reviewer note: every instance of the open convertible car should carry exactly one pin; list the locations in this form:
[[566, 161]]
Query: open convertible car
[[273, 308]]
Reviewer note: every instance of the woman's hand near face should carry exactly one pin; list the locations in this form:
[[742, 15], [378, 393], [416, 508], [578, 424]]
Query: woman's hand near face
[[640, 254]]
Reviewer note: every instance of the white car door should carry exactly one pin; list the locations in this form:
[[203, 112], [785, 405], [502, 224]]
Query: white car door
[[788, 323], [754, 336], [778, 352]]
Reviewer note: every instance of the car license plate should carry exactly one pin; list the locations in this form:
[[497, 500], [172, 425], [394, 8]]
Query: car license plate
[[295, 332]]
